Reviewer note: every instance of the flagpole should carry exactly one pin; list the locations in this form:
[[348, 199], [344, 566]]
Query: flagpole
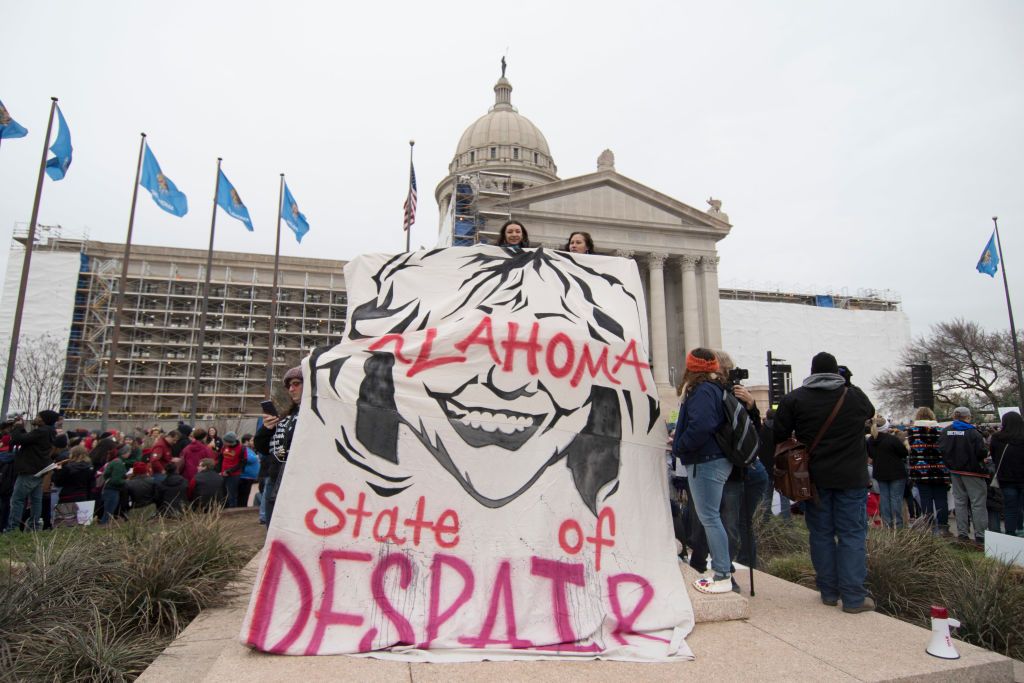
[[206, 299], [273, 294], [115, 336], [1009, 310], [20, 307], [408, 231]]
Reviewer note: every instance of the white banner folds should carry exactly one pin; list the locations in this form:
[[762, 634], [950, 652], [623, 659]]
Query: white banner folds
[[478, 470]]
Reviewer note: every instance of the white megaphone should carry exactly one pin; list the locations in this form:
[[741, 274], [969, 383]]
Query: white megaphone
[[941, 644]]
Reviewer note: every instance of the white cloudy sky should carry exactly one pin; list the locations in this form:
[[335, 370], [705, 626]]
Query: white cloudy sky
[[854, 144]]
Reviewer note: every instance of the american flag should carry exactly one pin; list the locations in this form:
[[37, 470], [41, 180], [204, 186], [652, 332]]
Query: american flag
[[410, 202]]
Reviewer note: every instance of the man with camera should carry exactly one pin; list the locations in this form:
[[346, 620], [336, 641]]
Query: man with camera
[[836, 517], [33, 455]]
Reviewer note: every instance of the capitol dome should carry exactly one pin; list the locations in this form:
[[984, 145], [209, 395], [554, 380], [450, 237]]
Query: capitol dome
[[505, 141]]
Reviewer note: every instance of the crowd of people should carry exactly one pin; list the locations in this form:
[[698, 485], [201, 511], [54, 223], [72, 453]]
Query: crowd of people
[[50, 477], [861, 466]]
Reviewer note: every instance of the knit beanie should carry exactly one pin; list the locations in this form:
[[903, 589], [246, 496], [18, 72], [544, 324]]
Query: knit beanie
[[824, 362]]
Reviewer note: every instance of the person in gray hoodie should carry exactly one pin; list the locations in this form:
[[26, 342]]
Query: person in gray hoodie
[[836, 519]]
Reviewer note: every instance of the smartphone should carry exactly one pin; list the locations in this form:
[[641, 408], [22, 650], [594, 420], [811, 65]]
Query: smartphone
[[268, 408]]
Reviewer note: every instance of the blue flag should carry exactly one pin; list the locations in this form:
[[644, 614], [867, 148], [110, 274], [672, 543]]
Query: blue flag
[[57, 166], [229, 200], [165, 192], [295, 219], [9, 128], [989, 261]]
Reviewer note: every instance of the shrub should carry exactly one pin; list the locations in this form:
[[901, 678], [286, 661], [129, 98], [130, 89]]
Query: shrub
[[987, 597], [87, 606], [777, 537], [795, 568], [905, 570]]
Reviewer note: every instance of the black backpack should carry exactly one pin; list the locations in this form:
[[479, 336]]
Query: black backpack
[[737, 437]]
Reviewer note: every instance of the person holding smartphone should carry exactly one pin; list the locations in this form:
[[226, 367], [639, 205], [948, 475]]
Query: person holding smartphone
[[274, 438]]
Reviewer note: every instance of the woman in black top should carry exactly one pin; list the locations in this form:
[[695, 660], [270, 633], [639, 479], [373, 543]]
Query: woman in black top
[[888, 459], [1007, 451]]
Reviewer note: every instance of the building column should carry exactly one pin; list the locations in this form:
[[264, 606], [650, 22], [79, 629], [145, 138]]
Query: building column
[[712, 316], [691, 316], [659, 326]]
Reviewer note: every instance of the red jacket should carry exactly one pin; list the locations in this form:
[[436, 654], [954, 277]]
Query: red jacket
[[161, 449], [191, 455], [231, 460]]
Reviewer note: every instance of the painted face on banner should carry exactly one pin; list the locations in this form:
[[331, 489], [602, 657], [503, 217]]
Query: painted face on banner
[[519, 369]]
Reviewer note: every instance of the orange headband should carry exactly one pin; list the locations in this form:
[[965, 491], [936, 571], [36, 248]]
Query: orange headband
[[694, 364]]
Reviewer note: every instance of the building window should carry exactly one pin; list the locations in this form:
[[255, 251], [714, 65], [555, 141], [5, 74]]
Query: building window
[[472, 157], [536, 158], [494, 152], [515, 152]]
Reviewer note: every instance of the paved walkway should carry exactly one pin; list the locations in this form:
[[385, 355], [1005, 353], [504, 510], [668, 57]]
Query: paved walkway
[[782, 634]]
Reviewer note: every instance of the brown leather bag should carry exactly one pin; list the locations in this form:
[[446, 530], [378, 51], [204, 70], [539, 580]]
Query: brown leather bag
[[793, 462]]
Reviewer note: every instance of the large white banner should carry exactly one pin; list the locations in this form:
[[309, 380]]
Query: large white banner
[[478, 470]]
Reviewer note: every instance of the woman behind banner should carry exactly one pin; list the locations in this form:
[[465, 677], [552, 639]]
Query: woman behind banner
[[707, 469]]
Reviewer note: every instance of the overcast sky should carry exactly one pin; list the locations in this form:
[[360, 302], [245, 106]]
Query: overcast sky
[[855, 145]]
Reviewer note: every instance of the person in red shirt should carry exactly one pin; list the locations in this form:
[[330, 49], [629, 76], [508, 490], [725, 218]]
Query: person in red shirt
[[230, 462], [162, 449], [195, 451]]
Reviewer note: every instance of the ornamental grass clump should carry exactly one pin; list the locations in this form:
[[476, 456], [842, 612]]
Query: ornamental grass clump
[[987, 597], [87, 606], [905, 569]]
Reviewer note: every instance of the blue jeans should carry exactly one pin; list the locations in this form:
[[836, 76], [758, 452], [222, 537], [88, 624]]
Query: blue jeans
[[264, 497], [935, 502], [891, 501], [707, 481], [747, 492], [26, 486], [111, 503], [838, 527], [1013, 506], [231, 486]]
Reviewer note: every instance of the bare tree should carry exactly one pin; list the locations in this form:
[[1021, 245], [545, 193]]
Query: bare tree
[[39, 373], [970, 366]]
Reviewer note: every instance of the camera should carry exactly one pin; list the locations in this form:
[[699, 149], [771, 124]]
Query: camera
[[737, 375]]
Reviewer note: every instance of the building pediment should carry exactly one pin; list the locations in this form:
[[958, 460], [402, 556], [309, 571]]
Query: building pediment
[[609, 198]]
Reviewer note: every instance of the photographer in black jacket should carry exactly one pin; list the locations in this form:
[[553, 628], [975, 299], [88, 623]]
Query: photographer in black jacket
[[35, 448], [836, 519], [274, 439]]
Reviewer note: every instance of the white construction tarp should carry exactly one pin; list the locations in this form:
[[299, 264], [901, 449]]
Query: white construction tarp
[[478, 470]]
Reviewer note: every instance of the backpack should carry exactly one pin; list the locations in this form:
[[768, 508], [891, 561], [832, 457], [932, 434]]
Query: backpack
[[737, 436]]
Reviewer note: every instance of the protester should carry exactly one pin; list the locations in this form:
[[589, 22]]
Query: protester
[[888, 466], [513, 234], [230, 462], [707, 469], [140, 487], [766, 454], [250, 472], [927, 470], [274, 439], [75, 476], [963, 451], [163, 446], [744, 489], [194, 452], [213, 439], [1007, 452], [103, 446], [185, 432], [206, 490], [580, 243], [115, 476], [172, 492], [33, 455], [836, 519]]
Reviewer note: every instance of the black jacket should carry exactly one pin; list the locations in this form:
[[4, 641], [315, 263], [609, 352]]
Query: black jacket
[[963, 449], [273, 445], [888, 457], [840, 460], [1008, 457], [141, 490], [207, 490], [75, 480], [35, 448], [172, 493]]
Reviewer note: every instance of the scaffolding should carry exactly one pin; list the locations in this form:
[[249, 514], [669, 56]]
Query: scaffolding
[[479, 196], [156, 355]]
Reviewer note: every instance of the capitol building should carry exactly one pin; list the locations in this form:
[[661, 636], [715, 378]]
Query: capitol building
[[502, 168]]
